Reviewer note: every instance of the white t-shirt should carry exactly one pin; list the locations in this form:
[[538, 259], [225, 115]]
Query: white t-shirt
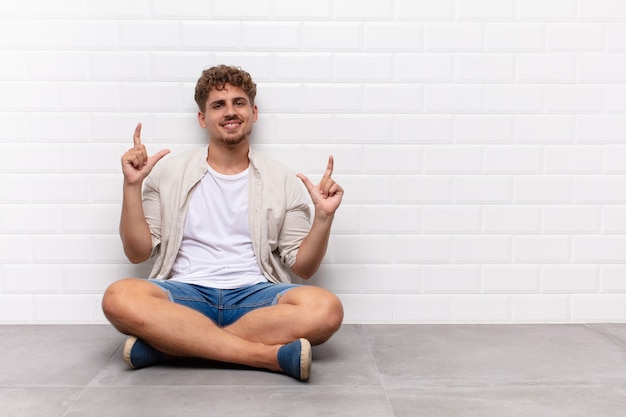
[[216, 250]]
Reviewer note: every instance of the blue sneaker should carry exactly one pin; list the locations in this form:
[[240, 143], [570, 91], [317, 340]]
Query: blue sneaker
[[295, 359], [139, 354]]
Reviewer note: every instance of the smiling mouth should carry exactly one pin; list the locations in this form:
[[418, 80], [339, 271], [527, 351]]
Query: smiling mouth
[[231, 124]]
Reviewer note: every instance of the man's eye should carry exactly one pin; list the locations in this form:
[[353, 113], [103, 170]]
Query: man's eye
[[217, 106], [240, 103]]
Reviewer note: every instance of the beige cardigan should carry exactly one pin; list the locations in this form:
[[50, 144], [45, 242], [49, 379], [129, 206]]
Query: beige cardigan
[[279, 211]]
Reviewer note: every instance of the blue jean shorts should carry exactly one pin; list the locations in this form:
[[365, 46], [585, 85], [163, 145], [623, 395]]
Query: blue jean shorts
[[224, 307]]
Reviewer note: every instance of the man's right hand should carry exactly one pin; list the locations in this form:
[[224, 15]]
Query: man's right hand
[[136, 164]]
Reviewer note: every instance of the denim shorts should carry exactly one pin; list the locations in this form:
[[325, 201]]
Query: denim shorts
[[224, 307]]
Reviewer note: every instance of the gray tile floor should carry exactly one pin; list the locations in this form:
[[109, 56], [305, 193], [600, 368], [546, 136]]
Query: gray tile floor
[[364, 370]]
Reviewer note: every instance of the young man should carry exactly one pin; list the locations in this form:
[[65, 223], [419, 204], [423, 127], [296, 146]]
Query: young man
[[227, 228]]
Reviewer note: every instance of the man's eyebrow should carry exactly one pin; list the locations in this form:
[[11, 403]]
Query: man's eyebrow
[[222, 101]]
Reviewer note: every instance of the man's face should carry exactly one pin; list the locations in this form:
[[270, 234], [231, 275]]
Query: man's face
[[228, 116]]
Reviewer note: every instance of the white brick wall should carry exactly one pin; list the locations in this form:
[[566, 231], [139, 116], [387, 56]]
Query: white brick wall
[[481, 144]]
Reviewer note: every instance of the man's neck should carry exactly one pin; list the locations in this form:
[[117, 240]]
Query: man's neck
[[228, 160]]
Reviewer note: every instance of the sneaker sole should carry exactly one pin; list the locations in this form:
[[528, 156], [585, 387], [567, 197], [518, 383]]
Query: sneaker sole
[[128, 346], [306, 357]]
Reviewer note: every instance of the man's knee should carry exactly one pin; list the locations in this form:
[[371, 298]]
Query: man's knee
[[122, 300]]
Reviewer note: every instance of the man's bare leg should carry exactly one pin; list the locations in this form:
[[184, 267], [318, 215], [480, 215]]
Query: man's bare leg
[[312, 313], [139, 308]]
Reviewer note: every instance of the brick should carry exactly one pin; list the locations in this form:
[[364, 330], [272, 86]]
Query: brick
[[211, 35], [422, 309], [88, 96], [15, 188], [575, 99], [598, 129], [192, 9], [117, 66], [596, 68], [100, 277], [570, 219], [271, 35], [390, 220], [540, 309], [367, 308], [406, 159], [482, 189], [511, 220], [544, 129], [541, 249], [107, 248], [306, 128], [332, 98], [91, 158], [485, 10], [422, 249], [569, 279], [363, 249], [451, 279], [149, 34], [453, 98], [18, 34], [543, 189], [490, 68], [423, 128], [517, 37], [602, 10], [57, 65], [61, 188], [171, 128], [615, 100], [482, 249], [546, 68], [514, 98], [348, 220], [400, 279], [247, 9], [15, 249], [61, 249], [362, 9], [119, 8], [26, 158], [483, 128], [27, 95], [453, 37], [150, 97], [303, 67], [107, 188], [331, 36], [503, 159], [507, 279], [26, 219], [363, 67], [393, 37], [425, 9], [597, 307], [16, 309], [88, 219], [13, 65], [75, 309], [451, 219], [424, 67], [612, 279], [87, 35], [547, 10], [616, 37], [453, 159], [338, 278], [32, 279], [597, 189], [14, 126], [423, 189], [279, 97], [576, 37], [574, 159], [304, 9], [613, 219], [59, 127], [481, 308], [63, 8], [599, 249], [259, 64], [363, 129], [390, 98]]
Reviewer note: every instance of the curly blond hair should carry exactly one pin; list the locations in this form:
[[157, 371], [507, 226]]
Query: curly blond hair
[[217, 77]]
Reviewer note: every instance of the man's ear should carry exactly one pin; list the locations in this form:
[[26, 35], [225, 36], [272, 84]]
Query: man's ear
[[255, 113], [201, 120]]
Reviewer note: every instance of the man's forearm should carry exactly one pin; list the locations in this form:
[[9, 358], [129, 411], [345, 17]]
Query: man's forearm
[[313, 247], [134, 230]]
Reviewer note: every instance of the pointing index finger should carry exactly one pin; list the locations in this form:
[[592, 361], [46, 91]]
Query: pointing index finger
[[137, 135], [329, 168]]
